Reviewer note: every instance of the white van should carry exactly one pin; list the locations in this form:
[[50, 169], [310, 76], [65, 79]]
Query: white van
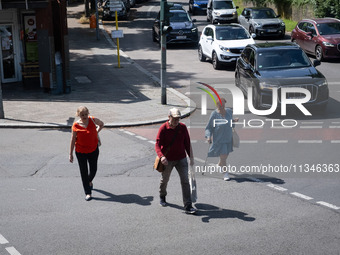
[[221, 11]]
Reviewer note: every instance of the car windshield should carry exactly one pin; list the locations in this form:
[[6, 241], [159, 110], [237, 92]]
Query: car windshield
[[232, 33], [282, 59], [218, 5], [179, 17], [263, 14], [329, 28]]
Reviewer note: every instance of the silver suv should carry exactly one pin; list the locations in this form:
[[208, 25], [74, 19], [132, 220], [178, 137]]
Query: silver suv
[[262, 21]]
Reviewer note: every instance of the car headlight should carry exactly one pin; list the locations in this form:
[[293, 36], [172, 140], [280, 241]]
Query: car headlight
[[217, 13], [268, 85], [283, 24], [194, 30], [224, 48], [328, 44], [196, 5], [256, 24], [323, 83]]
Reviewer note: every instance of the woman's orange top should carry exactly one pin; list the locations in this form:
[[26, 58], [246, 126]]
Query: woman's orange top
[[87, 138]]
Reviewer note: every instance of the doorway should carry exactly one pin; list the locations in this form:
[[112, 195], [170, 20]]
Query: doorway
[[7, 54]]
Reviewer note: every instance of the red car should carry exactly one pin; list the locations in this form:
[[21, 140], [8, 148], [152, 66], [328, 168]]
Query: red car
[[319, 37]]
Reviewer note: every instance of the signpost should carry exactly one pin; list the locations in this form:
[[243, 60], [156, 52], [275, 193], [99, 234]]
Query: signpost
[[116, 6]]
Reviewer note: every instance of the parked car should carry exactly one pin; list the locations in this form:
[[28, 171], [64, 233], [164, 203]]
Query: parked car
[[197, 6], [319, 37], [265, 66], [262, 21], [221, 11], [110, 15], [223, 44], [183, 28]]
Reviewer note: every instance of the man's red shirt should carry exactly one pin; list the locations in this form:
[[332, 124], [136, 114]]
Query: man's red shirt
[[180, 145]]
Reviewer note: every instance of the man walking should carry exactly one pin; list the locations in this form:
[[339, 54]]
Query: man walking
[[172, 146]]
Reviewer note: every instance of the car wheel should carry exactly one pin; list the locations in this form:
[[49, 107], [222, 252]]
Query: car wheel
[[256, 99], [216, 63], [201, 56], [318, 53]]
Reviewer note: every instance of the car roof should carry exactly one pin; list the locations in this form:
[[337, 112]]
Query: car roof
[[321, 20], [219, 26], [274, 45], [176, 7], [258, 8]]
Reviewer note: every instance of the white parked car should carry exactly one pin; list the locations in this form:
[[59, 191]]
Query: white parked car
[[223, 44]]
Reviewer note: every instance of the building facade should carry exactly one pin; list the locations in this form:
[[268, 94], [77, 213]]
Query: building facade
[[34, 44]]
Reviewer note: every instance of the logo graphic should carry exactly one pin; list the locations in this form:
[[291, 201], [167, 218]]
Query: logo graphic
[[238, 99], [204, 97]]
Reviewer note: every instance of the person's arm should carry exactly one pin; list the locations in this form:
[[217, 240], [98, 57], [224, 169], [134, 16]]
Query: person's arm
[[209, 128], [158, 145], [99, 123], [72, 143], [187, 145]]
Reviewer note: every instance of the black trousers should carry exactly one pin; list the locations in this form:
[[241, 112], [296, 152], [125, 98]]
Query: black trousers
[[85, 160]]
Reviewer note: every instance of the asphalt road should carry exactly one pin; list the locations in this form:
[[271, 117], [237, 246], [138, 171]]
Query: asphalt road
[[43, 210]]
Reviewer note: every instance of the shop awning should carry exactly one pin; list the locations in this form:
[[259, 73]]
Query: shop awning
[[23, 4]]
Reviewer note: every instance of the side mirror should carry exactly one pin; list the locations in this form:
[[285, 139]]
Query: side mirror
[[236, 7], [316, 62], [253, 35], [309, 34], [278, 16], [194, 20]]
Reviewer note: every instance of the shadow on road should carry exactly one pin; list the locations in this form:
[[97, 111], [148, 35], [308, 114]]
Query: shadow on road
[[208, 212], [124, 199]]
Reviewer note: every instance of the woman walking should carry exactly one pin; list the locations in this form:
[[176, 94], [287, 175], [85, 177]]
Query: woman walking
[[220, 134], [85, 141]]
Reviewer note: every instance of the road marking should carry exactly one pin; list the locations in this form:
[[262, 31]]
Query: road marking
[[12, 251], [310, 126], [128, 132], [249, 141], [312, 122], [277, 141], [276, 187], [328, 205], [152, 142], [334, 126], [335, 141], [310, 141], [3, 239], [141, 138], [301, 195]]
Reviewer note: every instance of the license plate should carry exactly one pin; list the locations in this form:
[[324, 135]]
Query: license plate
[[181, 37], [271, 30]]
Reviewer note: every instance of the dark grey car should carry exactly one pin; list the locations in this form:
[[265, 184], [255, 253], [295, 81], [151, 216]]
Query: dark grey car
[[262, 21]]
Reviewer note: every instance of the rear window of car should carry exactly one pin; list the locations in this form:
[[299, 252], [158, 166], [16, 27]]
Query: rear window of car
[[282, 59], [179, 17], [231, 33], [329, 28]]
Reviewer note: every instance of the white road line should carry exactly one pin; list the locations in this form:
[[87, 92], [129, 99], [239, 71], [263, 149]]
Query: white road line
[[301, 195], [277, 141], [310, 141], [311, 122], [152, 142], [3, 239], [328, 205], [335, 141], [310, 126], [249, 141], [12, 251], [276, 187], [334, 126], [141, 138], [128, 132]]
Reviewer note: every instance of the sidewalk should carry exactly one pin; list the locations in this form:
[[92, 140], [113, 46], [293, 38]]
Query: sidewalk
[[125, 96]]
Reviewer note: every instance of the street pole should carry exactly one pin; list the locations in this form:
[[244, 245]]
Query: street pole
[[97, 23], [163, 68], [2, 114], [163, 54]]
